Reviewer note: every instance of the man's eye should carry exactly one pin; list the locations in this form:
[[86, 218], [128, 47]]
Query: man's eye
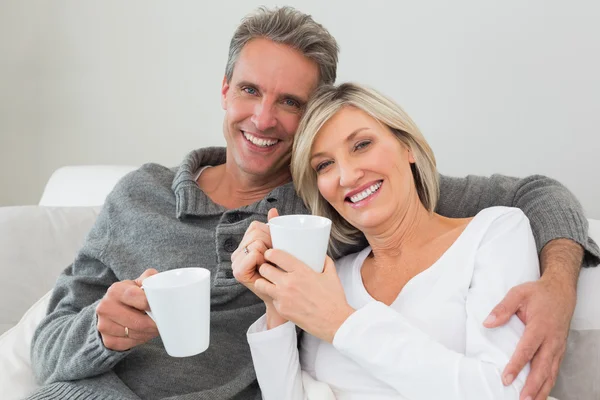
[[249, 90], [322, 165], [291, 103]]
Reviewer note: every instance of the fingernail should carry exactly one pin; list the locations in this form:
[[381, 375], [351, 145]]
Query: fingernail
[[508, 380], [490, 319], [528, 398]]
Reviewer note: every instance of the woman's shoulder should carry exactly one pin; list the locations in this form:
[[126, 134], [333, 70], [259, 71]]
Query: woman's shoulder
[[500, 218], [502, 223]]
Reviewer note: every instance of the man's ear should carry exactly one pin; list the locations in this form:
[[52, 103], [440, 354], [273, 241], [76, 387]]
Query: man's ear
[[224, 90]]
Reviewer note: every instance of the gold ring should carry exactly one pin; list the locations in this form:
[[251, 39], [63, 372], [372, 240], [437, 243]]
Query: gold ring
[[126, 332]]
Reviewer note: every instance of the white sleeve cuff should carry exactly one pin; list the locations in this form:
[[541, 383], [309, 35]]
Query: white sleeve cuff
[[258, 332], [346, 335]]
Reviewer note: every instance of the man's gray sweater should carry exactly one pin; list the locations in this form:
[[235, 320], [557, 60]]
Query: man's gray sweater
[[159, 218]]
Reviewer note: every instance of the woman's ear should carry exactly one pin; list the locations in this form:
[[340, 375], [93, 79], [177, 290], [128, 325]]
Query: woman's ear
[[411, 158]]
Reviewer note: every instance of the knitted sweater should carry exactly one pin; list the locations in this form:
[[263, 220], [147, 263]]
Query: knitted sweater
[[158, 217]]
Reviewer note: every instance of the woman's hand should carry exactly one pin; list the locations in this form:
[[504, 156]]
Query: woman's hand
[[249, 255], [314, 301], [246, 259]]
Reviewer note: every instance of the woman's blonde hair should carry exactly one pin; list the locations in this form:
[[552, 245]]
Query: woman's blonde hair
[[325, 103]]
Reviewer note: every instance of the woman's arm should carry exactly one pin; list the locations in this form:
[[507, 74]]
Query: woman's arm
[[394, 351], [276, 360]]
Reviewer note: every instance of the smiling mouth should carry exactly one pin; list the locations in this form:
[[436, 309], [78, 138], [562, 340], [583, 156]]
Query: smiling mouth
[[368, 192], [264, 143]]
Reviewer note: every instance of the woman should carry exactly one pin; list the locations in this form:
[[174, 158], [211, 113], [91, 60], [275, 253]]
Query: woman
[[403, 318]]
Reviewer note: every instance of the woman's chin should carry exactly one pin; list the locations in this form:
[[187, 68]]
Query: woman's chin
[[368, 221]]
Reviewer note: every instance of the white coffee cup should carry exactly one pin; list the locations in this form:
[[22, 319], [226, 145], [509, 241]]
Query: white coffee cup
[[304, 236], [180, 305]]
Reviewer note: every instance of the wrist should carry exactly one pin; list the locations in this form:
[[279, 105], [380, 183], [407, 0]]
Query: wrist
[[560, 262], [274, 319], [339, 320]]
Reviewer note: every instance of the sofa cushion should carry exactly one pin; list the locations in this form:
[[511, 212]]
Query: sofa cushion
[[36, 244]]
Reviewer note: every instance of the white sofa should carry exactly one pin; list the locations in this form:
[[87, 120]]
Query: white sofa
[[38, 242]]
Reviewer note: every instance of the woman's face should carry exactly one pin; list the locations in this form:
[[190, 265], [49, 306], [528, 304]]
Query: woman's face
[[363, 170]]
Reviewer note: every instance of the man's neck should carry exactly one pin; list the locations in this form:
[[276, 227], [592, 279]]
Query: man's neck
[[233, 190]]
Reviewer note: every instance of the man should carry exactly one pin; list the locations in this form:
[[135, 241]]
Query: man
[[97, 341]]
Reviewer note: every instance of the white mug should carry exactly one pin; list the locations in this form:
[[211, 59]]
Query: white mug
[[306, 237], [179, 302]]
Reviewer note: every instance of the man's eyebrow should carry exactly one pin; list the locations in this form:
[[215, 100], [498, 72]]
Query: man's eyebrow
[[348, 139], [248, 83]]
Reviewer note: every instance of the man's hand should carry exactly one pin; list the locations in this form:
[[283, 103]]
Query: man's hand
[[122, 319], [546, 308]]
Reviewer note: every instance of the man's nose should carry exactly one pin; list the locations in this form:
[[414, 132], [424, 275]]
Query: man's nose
[[264, 116]]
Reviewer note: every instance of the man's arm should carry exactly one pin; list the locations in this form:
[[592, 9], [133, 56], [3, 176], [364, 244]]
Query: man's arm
[[546, 306], [553, 211], [66, 345]]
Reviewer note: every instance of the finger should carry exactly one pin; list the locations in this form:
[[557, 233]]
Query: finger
[[271, 273], [117, 343], [258, 240], [511, 303], [245, 269], [526, 349], [108, 327], [265, 287], [134, 320], [261, 244], [545, 391], [147, 273], [257, 226], [272, 214], [135, 297], [329, 267], [540, 372], [284, 260]]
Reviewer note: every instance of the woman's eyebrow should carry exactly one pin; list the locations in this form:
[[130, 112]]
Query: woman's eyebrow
[[348, 139]]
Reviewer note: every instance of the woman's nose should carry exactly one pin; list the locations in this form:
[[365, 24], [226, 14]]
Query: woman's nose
[[349, 174]]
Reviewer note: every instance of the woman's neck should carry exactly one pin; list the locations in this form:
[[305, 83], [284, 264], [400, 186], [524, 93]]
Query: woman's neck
[[407, 231]]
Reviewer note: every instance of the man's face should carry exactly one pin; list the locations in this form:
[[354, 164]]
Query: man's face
[[264, 101]]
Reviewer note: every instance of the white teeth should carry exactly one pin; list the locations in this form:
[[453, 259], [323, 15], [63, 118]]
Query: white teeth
[[366, 193], [259, 142]]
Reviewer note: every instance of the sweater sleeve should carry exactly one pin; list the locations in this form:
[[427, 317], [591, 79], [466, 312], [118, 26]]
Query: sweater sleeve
[[66, 344], [394, 351], [276, 360], [552, 209]]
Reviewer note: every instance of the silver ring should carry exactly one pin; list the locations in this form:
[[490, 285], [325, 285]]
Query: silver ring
[[126, 332], [246, 251]]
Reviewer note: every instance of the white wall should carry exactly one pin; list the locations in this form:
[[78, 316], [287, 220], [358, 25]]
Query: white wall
[[509, 87]]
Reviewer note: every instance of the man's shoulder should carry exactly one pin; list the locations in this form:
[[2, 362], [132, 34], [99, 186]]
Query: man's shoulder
[[150, 181]]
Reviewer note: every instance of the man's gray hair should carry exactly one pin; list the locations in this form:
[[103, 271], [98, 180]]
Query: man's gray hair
[[288, 26]]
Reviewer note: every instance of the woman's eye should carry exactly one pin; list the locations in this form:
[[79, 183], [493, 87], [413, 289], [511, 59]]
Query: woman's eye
[[249, 90], [322, 165], [362, 145]]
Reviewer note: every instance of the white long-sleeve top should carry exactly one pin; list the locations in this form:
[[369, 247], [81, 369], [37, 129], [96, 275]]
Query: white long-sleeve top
[[430, 343]]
